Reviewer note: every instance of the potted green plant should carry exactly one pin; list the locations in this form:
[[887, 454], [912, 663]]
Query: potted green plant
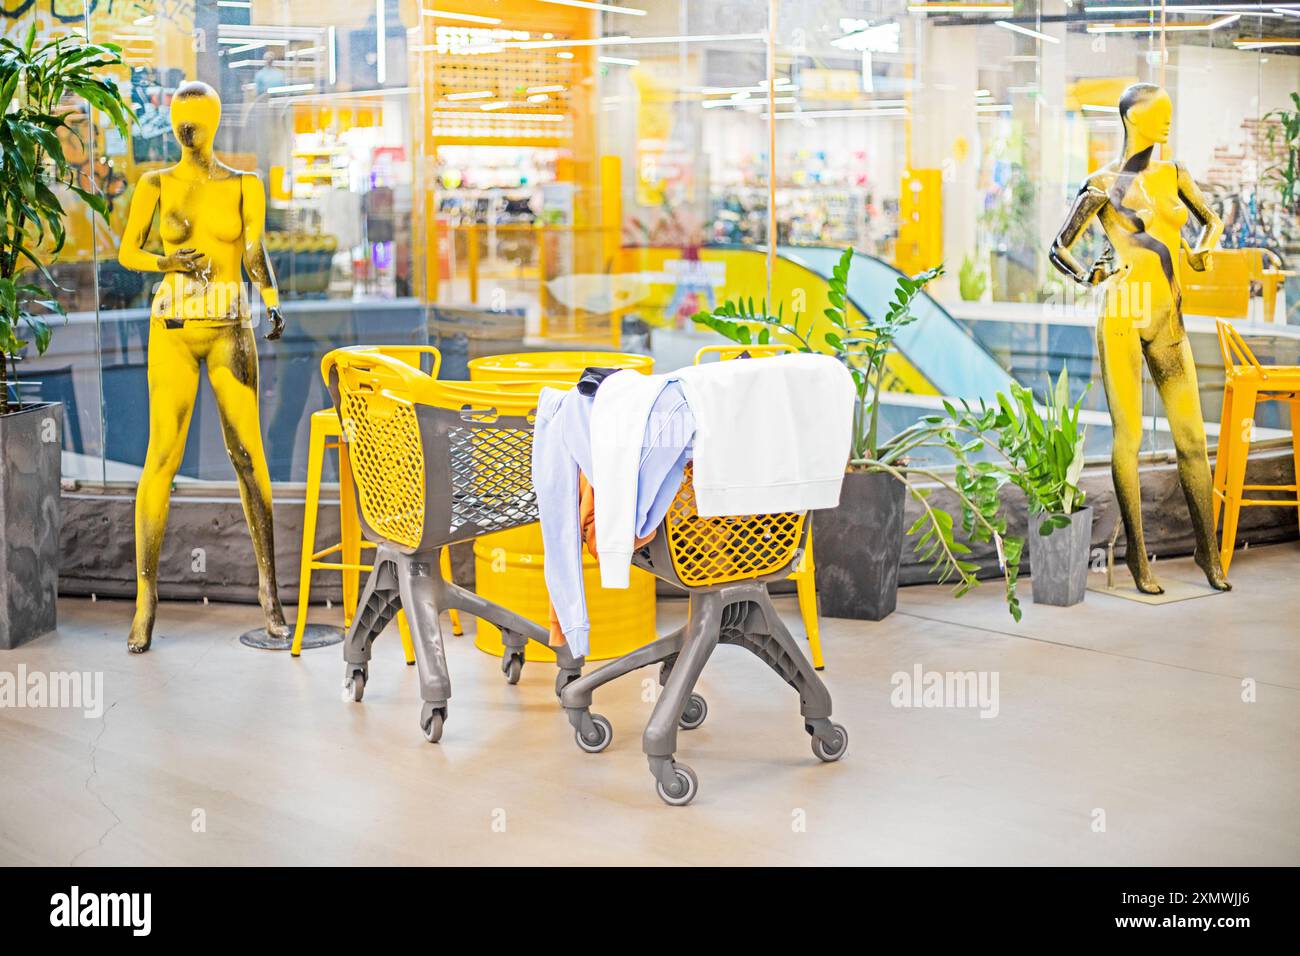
[[1045, 451], [859, 545], [36, 83]]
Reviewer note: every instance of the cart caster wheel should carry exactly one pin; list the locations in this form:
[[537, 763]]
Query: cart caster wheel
[[513, 667], [697, 708], [599, 739], [431, 724], [835, 749], [563, 679], [354, 685], [685, 786]]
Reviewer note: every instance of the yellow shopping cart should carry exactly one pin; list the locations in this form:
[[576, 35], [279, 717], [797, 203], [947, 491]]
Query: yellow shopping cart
[[724, 564], [435, 463]]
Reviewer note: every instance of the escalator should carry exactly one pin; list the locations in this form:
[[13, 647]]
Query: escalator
[[939, 347]]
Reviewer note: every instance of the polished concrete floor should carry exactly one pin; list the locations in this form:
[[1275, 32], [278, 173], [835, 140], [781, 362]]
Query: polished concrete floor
[[1121, 737]]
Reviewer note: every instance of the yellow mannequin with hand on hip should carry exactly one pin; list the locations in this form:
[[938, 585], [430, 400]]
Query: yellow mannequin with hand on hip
[[1142, 204]]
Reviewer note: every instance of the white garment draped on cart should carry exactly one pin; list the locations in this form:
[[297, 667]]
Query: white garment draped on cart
[[771, 435]]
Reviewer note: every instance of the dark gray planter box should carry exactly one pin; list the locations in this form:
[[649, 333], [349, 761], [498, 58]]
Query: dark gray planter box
[[31, 443], [1058, 564], [857, 548]]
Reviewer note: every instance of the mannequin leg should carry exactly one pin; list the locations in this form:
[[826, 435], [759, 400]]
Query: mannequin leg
[[1120, 353], [1174, 371], [232, 369], [173, 384]]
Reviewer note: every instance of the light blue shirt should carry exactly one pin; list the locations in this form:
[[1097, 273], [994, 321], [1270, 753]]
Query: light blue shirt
[[562, 448]]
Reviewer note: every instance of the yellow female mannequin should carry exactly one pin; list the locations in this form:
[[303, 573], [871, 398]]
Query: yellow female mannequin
[[211, 224], [1142, 204]]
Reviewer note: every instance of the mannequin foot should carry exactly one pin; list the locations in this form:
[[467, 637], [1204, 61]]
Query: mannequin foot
[[1213, 570], [275, 625], [277, 628], [1143, 579], [141, 636]]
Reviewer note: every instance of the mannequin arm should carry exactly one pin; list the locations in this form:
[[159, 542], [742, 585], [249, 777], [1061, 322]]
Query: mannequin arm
[[139, 220], [1086, 205], [1211, 224], [256, 259]]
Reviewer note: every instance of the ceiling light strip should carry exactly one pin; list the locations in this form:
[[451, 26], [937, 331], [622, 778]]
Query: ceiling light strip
[[1017, 28], [603, 7]]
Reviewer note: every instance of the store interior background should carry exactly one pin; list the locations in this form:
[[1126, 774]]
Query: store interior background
[[495, 177]]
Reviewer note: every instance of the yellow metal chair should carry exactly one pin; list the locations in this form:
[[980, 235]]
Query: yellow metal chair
[[804, 573], [1266, 268], [327, 434], [1247, 383]]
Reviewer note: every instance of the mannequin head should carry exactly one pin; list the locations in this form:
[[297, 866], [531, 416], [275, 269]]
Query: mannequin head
[[196, 112], [1146, 112]]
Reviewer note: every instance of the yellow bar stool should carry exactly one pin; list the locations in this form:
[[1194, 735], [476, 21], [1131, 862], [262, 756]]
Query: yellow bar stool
[[804, 573], [326, 434], [1247, 383]]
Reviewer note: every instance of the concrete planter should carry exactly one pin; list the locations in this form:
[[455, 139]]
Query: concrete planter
[[31, 443], [858, 546], [1058, 564]]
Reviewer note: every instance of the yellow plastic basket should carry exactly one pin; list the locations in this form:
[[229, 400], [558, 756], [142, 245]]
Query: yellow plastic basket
[[710, 551], [478, 478]]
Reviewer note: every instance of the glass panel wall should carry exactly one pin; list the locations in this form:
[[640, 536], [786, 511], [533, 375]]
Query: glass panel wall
[[539, 174]]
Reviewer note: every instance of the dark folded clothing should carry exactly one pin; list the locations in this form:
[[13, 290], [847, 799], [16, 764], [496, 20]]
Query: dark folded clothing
[[591, 379]]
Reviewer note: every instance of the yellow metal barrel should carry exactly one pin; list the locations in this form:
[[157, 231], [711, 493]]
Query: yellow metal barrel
[[552, 366], [508, 567]]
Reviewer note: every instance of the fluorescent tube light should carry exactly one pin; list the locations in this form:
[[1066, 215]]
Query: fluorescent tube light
[[467, 17], [381, 42], [1264, 43], [1017, 28], [961, 8], [605, 7], [1167, 28]]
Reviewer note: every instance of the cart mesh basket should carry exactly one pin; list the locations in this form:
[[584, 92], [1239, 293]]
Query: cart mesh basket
[[709, 551], [435, 462]]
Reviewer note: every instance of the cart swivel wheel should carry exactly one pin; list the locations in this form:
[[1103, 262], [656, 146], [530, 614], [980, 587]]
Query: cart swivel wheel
[[697, 708], [513, 668], [600, 738], [431, 726], [354, 685], [830, 752], [684, 786]]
